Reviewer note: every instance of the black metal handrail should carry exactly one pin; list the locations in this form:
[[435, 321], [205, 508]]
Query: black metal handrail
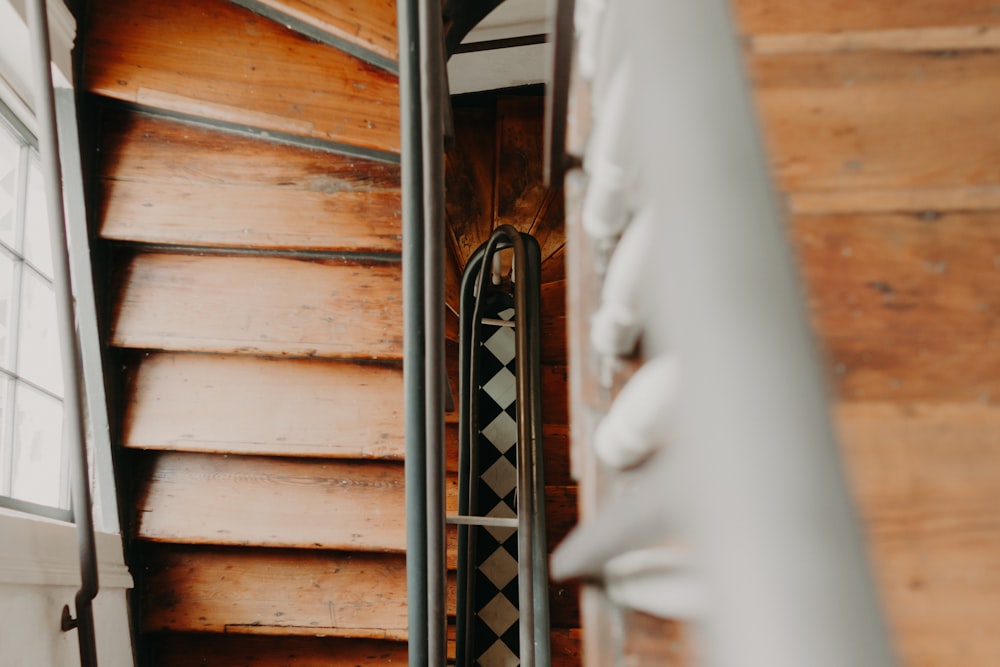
[[533, 614], [74, 408]]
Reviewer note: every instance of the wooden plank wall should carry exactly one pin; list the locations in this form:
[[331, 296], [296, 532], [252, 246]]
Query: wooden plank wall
[[880, 121]]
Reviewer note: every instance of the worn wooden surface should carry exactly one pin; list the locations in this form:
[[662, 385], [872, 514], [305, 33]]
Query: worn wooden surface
[[470, 178], [370, 24], [275, 590], [280, 502], [260, 305], [250, 405], [212, 59], [880, 121], [832, 16], [905, 304], [169, 182], [261, 501], [925, 475], [201, 649]]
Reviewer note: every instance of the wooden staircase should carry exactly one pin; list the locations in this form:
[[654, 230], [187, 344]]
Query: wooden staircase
[[246, 221], [247, 191]]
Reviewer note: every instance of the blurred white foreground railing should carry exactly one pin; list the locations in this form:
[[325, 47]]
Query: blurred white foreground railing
[[738, 517]]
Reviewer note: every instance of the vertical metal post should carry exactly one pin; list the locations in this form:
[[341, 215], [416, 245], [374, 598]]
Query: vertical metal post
[[74, 405], [414, 369], [432, 139]]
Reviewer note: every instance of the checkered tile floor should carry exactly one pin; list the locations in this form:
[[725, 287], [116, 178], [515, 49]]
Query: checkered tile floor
[[494, 595]]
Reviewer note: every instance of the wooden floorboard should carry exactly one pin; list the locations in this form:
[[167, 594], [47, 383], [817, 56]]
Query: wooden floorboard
[[208, 650], [369, 24], [215, 60], [791, 16], [169, 182], [251, 405], [260, 305], [268, 591], [200, 498], [878, 121], [262, 501], [905, 305], [925, 479]]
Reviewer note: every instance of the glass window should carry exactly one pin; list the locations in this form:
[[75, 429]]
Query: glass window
[[33, 458]]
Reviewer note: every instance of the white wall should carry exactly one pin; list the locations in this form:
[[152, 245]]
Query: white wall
[[39, 573]]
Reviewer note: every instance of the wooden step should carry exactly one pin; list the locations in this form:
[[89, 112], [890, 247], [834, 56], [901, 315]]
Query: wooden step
[[262, 501], [862, 122], [227, 650], [304, 503], [252, 405], [260, 74], [811, 16], [366, 28], [905, 304], [259, 305], [275, 591], [169, 182]]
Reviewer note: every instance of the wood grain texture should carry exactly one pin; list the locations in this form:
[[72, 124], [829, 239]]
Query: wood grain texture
[[785, 16], [271, 591], [164, 181], [519, 192], [260, 501], [925, 477], [370, 24], [212, 59], [259, 305], [304, 503], [879, 121], [553, 324], [470, 178], [906, 305], [961, 38], [203, 649], [250, 405]]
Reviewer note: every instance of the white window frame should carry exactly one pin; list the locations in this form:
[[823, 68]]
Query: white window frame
[[40, 546]]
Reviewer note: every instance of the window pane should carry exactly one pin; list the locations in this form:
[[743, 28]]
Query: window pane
[[10, 155], [37, 468], [37, 249], [7, 301], [38, 334]]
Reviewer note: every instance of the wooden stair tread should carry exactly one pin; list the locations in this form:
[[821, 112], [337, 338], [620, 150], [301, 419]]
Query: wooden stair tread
[[200, 498], [908, 311], [368, 24], [260, 74], [260, 305], [275, 591], [250, 500], [251, 405], [784, 16], [222, 650], [168, 182], [875, 121]]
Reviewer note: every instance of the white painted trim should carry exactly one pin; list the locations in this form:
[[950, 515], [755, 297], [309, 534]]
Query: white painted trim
[[492, 70], [43, 552], [15, 54]]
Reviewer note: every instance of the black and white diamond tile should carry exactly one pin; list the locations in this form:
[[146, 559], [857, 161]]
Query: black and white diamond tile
[[494, 599]]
